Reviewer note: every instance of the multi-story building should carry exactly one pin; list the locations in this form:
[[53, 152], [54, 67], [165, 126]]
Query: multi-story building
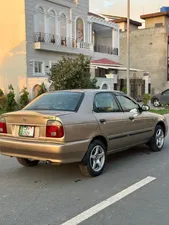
[[37, 33], [149, 48]]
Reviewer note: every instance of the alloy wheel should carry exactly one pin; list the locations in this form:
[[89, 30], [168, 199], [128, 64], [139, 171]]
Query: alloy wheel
[[97, 158], [159, 138]]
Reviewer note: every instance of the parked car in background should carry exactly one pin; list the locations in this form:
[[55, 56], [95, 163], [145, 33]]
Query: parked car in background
[[81, 126], [161, 98]]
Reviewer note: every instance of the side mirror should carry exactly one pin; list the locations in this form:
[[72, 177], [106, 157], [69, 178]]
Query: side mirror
[[145, 108]]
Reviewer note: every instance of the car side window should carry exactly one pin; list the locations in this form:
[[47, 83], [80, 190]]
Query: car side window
[[166, 92], [104, 103], [127, 104]]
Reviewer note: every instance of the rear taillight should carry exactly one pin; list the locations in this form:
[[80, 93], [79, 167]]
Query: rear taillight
[[54, 129], [3, 129]]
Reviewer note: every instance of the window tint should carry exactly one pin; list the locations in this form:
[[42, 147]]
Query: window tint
[[60, 101], [166, 92], [104, 102], [127, 104]]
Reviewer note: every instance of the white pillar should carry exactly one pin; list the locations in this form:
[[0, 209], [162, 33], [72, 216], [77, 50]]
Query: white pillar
[[118, 46], [146, 78], [112, 37], [69, 38], [58, 26], [93, 72], [88, 26], [91, 33], [115, 38], [70, 29], [58, 32]]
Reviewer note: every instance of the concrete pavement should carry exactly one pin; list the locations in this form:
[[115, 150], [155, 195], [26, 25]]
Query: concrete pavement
[[50, 195]]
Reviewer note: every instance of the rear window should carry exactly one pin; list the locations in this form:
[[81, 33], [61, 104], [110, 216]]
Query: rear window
[[60, 101]]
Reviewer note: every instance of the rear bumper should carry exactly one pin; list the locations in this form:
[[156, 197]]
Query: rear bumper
[[45, 151]]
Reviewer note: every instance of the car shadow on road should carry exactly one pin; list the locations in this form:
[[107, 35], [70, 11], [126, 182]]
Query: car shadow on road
[[50, 174], [132, 152]]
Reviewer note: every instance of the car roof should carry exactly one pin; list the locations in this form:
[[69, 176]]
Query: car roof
[[90, 91]]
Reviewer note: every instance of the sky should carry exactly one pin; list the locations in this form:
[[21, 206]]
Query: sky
[[119, 7]]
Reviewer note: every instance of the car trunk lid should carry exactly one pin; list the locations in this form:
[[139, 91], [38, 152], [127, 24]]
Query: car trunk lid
[[32, 121]]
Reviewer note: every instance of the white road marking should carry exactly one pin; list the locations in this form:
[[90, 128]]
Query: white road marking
[[110, 201]]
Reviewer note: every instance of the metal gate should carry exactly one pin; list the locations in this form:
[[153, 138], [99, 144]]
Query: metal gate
[[137, 87]]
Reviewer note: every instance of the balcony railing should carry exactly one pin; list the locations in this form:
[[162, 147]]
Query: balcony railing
[[105, 49], [60, 41]]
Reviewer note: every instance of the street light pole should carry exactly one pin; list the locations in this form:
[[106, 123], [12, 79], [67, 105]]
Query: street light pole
[[128, 47]]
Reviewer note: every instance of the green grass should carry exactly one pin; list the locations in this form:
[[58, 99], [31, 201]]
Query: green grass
[[2, 111], [160, 111]]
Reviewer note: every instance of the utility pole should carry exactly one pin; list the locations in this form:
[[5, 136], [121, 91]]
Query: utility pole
[[128, 47]]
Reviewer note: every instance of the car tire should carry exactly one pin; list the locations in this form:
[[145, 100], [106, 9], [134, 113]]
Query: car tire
[[157, 142], [156, 102], [94, 160], [28, 162]]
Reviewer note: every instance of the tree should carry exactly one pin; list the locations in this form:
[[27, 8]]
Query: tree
[[42, 89], [1, 93], [24, 97], [71, 73], [2, 100], [10, 99]]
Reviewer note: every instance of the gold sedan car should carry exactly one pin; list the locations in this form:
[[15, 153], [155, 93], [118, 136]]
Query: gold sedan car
[[81, 126]]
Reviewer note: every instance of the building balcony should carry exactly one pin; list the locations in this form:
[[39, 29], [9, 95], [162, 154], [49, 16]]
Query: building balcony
[[55, 43], [106, 49]]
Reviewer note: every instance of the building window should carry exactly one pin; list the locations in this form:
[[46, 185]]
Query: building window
[[158, 24], [63, 28], [39, 25], [39, 68], [79, 30], [40, 20], [52, 23]]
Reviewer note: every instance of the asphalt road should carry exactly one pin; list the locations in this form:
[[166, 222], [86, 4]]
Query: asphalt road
[[52, 195]]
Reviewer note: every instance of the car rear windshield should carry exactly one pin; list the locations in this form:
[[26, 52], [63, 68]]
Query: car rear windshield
[[60, 101]]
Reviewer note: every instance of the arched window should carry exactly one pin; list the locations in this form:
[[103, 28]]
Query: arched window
[[79, 30], [52, 22], [40, 20], [105, 86], [63, 25]]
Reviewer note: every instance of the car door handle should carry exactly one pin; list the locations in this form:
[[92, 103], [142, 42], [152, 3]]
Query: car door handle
[[102, 121], [131, 118]]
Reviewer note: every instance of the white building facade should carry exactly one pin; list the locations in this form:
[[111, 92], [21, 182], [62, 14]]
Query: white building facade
[[52, 29]]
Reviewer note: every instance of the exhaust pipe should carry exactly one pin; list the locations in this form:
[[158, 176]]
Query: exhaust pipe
[[53, 163]]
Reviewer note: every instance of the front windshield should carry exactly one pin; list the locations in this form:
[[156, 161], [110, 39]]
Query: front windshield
[[60, 101]]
